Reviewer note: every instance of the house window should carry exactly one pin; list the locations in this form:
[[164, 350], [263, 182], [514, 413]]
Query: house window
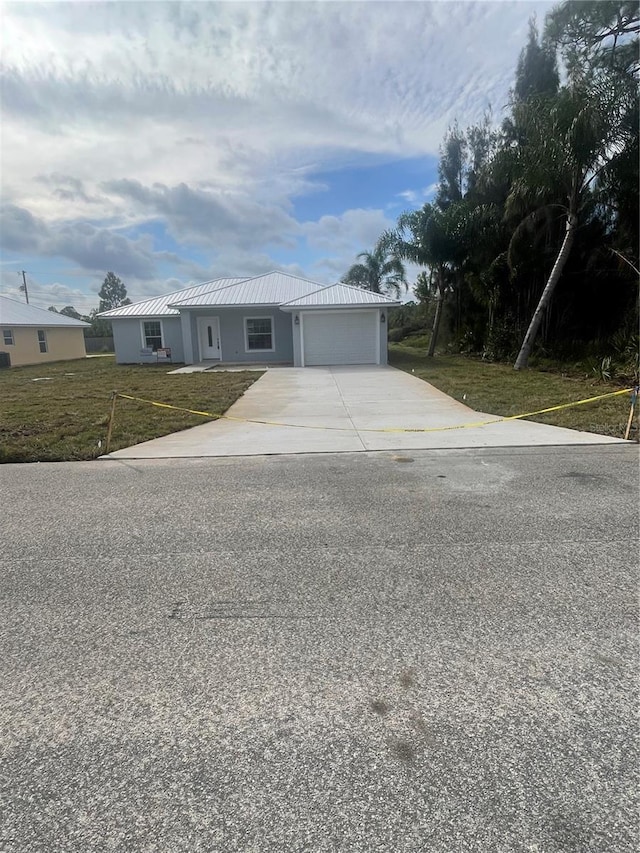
[[152, 334], [259, 334], [42, 340], [7, 334]]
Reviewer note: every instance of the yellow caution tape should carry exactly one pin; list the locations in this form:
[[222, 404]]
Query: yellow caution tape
[[167, 406], [499, 420]]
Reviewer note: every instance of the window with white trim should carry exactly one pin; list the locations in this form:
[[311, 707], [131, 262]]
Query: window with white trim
[[259, 334], [42, 340], [152, 334], [7, 335]]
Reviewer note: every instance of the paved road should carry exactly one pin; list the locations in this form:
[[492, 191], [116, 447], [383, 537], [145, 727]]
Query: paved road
[[351, 652], [349, 409]]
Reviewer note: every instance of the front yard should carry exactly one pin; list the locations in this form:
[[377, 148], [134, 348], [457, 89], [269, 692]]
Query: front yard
[[498, 389], [60, 411]]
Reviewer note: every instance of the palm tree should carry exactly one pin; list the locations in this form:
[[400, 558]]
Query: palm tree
[[569, 139], [431, 238], [380, 271]]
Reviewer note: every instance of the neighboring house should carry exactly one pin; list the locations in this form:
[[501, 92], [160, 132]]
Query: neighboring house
[[32, 335], [274, 318]]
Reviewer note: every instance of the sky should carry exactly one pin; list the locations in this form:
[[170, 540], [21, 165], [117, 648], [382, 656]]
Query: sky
[[174, 143]]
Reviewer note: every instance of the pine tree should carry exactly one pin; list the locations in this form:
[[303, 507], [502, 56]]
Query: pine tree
[[113, 293]]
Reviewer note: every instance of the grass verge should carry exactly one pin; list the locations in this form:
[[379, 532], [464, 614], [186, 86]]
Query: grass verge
[[498, 389], [64, 416]]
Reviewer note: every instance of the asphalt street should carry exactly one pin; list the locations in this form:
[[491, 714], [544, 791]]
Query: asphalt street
[[424, 651]]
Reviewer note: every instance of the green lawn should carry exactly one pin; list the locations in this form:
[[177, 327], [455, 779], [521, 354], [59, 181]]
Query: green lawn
[[498, 389], [64, 416]]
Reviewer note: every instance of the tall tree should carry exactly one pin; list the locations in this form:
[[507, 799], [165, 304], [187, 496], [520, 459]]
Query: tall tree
[[113, 293], [451, 168], [430, 238], [570, 139], [537, 71], [600, 32], [380, 271]]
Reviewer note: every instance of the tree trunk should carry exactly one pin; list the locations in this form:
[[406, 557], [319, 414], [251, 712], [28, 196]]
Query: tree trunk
[[534, 326], [436, 320]]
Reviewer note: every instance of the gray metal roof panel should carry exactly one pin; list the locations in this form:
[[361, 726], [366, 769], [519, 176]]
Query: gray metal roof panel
[[14, 313], [159, 305], [274, 288], [340, 295]]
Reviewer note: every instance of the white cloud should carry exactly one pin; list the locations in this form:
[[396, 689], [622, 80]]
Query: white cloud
[[116, 89], [212, 117], [418, 197], [352, 229]]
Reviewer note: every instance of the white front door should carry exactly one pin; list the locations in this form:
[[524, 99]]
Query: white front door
[[209, 337]]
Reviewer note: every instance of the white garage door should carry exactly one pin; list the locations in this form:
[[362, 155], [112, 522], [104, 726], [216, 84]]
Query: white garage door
[[340, 337]]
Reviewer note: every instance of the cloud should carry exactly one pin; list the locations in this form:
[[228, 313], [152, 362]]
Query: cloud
[[213, 218], [417, 198], [342, 238], [213, 118], [159, 92], [68, 188], [93, 248], [354, 229]]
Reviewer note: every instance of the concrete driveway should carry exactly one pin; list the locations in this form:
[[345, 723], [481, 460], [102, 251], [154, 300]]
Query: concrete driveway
[[347, 409]]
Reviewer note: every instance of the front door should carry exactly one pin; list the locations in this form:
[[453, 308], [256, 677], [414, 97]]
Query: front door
[[209, 337]]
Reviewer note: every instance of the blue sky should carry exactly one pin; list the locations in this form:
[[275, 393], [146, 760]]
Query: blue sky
[[178, 142]]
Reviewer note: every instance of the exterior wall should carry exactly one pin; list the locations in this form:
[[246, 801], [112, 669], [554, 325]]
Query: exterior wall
[[128, 341], [232, 334], [63, 344], [297, 342], [181, 334]]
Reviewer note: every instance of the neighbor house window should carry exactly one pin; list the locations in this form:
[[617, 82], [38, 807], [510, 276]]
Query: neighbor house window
[[42, 340], [152, 334], [259, 332], [7, 334]]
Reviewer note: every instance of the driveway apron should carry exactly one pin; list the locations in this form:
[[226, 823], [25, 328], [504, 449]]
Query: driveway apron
[[347, 409]]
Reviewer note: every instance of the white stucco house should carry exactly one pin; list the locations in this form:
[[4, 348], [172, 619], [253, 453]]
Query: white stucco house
[[274, 318]]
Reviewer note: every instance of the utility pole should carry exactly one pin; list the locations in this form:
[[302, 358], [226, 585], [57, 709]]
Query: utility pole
[[23, 286]]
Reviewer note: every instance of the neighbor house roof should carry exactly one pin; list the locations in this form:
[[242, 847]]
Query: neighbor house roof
[[273, 288], [14, 313], [159, 305], [339, 296]]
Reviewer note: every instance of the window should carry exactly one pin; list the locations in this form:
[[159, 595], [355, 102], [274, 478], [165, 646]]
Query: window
[[152, 334], [42, 340], [259, 334], [7, 334]]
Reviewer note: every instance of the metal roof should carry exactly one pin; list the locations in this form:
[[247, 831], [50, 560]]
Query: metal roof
[[339, 295], [274, 288], [158, 306], [14, 313]]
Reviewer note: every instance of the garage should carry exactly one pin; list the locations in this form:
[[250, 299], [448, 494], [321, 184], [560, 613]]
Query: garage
[[339, 324], [340, 337]]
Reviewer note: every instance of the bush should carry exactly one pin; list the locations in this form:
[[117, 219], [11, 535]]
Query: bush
[[502, 343]]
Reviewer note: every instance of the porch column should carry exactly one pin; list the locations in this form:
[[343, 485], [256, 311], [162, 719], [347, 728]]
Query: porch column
[[187, 342]]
